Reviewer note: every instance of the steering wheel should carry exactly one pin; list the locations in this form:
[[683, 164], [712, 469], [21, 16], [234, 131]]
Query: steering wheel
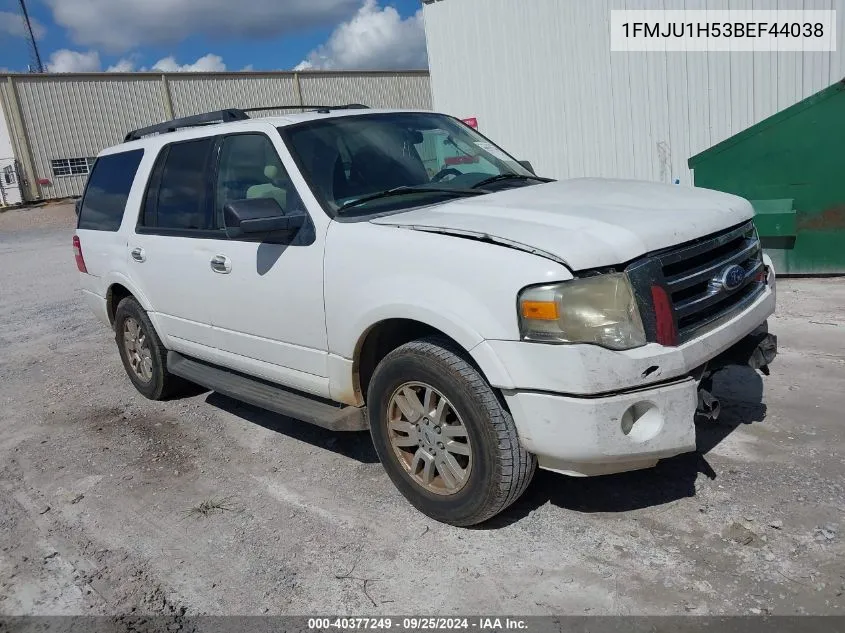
[[448, 171]]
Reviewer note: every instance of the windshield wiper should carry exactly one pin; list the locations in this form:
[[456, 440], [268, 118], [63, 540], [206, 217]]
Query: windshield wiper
[[492, 179], [401, 191]]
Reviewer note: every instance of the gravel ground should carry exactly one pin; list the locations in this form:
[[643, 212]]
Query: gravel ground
[[102, 491]]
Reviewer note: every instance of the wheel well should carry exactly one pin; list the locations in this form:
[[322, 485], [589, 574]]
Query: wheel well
[[383, 338], [114, 296]]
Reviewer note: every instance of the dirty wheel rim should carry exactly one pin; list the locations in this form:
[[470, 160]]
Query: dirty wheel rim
[[137, 346], [429, 438]]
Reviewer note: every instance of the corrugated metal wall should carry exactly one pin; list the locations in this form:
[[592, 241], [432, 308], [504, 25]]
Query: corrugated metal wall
[[541, 78], [195, 94], [77, 119], [76, 116]]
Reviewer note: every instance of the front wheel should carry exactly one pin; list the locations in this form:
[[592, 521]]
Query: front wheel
[[443, 436]]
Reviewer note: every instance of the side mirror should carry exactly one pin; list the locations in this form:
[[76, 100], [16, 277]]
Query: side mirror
[[527, 165], [260, 218]]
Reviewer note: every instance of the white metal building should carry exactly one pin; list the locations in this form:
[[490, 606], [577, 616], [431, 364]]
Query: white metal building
[[540, 77], [59, 122], [10, 193]]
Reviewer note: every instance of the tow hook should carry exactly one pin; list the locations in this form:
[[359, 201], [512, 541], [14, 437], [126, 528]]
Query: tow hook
[[708, 405]]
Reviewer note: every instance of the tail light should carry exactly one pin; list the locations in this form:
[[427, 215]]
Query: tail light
[[667, 333], [77, 253]]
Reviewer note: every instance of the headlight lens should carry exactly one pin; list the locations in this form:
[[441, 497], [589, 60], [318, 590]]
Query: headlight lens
[[599, 310]]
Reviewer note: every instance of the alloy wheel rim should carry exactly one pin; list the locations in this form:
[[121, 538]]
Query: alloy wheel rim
[[429, 438], [137, 346]]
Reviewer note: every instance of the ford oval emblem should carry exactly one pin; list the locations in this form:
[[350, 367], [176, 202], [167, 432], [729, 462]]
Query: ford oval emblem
[[731, 277]]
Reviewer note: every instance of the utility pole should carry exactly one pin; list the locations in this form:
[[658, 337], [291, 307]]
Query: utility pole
[[35, 62]]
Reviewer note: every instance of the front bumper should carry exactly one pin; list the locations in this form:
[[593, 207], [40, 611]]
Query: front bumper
[[589, 370], [585, 436], [624, 431]]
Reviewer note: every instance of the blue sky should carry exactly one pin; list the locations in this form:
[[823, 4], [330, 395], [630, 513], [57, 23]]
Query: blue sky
[[90, 35]]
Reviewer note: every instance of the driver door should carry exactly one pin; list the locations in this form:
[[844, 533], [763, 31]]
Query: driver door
[[269, 315]]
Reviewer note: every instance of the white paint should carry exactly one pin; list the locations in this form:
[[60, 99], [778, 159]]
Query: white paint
[[573, 435], [542, 81], [588, 223], [10, 191], [301, 320], [589, 369], [464, 288]]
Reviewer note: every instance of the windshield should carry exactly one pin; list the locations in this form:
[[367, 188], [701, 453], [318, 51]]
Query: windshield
[[349, 161]]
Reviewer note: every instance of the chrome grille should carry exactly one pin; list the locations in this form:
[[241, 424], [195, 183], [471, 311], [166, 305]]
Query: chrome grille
[[691, 278]]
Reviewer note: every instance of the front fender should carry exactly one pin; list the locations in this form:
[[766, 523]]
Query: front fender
[[465, 288]]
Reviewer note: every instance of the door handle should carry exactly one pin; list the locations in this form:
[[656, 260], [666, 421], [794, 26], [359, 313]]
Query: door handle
[[221, 264], [138, 254]]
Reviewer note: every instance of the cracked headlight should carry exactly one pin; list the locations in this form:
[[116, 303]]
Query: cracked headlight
[[600, 310]]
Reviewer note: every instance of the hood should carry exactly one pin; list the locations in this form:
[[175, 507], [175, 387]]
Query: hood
[[585, 222]]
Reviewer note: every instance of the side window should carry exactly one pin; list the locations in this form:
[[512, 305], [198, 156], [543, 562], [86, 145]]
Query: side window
[[251, 168], [177, 197], [108, 190]]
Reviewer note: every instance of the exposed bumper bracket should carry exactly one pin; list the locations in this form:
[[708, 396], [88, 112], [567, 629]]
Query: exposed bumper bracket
[[757, 350]]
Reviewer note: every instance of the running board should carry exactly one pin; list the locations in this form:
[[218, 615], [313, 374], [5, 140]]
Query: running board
[[267, 395]]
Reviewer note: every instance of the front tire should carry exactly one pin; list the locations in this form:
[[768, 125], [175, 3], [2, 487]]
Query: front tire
[[143, 355], [443, 436]]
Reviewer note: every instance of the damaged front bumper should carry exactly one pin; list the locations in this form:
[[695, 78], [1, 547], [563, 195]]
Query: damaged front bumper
[[629, 430]]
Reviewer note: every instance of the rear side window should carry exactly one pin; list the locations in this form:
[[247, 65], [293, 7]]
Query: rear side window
[[108, 190], [178, 197]]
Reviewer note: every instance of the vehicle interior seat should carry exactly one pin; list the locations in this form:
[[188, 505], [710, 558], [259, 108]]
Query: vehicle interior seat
[[269, 189]]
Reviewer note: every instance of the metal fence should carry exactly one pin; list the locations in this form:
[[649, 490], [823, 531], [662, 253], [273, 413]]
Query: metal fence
[[59, 122]]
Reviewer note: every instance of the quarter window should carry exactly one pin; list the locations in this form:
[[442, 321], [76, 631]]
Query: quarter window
[[108, 190], [177, 197]]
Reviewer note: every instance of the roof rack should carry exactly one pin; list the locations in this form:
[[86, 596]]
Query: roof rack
[[227, 116], [208, 118], [314, 108]]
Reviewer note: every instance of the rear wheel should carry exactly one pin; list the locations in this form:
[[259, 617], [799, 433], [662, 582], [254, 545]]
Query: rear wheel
[[144, 357], [443, 436]]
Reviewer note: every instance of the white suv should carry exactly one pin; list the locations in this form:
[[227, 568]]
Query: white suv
[[396, 271]]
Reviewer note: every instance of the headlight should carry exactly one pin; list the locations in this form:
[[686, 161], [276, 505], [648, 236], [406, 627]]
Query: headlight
[[599, 310]]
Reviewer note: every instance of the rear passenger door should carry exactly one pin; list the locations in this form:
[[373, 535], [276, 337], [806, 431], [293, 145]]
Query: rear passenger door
[[173, 242]]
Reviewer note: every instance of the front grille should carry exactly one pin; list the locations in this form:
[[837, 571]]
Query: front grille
[[691, 277]]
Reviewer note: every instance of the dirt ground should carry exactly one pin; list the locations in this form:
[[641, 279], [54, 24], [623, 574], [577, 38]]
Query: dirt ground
[[102, 491]]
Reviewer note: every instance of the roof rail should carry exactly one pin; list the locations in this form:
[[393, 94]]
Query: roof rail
[[317, 108], [226, 116], [208, 118]]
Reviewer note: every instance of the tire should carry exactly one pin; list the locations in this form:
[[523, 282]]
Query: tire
[[161, 383], [496, 469]]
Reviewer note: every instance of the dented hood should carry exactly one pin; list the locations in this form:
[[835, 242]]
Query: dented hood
[[585, 223]]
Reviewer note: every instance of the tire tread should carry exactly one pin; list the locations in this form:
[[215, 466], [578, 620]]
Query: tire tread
[[517, 465]]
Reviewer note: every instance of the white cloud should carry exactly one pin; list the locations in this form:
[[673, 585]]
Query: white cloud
[[12, 24], [67, 61], [206, 63], [125, 65], [121, 25], [374, 39]]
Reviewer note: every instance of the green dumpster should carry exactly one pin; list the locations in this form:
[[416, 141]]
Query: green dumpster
[[791, 167]]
